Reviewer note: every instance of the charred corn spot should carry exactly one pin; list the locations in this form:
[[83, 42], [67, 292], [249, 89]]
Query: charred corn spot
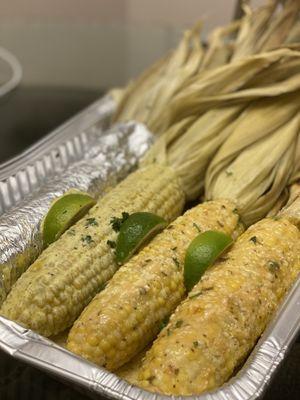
[[225, 313], [145, 290], [69, 273]]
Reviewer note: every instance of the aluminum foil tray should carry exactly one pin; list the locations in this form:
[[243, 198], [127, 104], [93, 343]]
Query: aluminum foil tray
[[71, 142]]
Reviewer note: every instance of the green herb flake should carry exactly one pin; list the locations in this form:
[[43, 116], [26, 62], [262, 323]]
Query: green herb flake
[[163, 323], [71, 232], [91, 222], [228, 173], [151, 379], [253, 239], [273, 266], [195, 344], [197, 227], [111, 244], [176, 262], [178, 323], [116, 222], [87, 239]]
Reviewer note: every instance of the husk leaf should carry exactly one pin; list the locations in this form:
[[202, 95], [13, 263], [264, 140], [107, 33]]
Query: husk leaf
[[256, 162]]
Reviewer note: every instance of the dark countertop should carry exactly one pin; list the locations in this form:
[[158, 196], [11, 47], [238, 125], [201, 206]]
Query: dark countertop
[[26, 116]]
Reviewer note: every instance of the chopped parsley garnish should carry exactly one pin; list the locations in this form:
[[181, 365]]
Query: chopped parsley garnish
[[116, 222], [111, 244], [91, 222], [178, 323], [87, 239], [273, 266], [163, 323], [253, 239], [176, 262], [197, 227]]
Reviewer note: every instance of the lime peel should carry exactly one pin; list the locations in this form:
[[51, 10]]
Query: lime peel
[[202, 253], [135, 232], [63, 213]]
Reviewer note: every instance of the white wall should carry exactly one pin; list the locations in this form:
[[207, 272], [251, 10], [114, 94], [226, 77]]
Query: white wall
[[98, 43]]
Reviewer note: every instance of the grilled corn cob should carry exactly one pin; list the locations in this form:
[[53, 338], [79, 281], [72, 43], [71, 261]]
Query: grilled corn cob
[[68, 274], [214, 329], [128, 313]]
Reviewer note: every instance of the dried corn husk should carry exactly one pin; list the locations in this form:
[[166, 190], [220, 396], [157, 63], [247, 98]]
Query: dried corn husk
[[221, 44], [256, 162], [178, 77], [294, 35], [190, 144], [252, 27], [154, 88], [281, 24], [224, 80]]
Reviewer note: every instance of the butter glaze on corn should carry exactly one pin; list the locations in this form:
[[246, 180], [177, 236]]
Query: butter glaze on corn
[[129, 312], [51, 294], [215, 328]]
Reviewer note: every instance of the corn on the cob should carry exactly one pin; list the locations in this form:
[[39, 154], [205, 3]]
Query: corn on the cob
[[62, 281], [214, 329], [128, 313]]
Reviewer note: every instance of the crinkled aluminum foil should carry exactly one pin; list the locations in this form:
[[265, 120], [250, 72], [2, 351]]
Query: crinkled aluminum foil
[[249, 384], [110, 157]]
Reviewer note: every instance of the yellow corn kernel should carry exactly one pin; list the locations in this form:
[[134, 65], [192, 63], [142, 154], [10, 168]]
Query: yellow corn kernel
[[51, 294], [145, 290], [213, 330]]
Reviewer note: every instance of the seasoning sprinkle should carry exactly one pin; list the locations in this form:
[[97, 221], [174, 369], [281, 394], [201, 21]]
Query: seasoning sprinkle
[[116, 222], [178, 323], [197, 227], [87, 239], [91, 222], [111, 244], [176, 262]]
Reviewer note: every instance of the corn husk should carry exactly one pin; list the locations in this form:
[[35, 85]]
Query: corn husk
[[157, 85], [257, 161], [228, 79], [280, 26], [252, 27], [294, 34], [221, 44]]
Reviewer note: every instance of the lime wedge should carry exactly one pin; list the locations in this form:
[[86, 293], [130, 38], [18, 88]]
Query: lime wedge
[[202, 253], [137, 230], [63, 213]]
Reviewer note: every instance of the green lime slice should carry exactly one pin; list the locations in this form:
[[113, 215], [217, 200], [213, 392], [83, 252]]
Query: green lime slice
[[63, 213], [202, 253], [137, 230]]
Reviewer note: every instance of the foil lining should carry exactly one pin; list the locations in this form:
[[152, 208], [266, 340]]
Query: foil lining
[[110, 157], [249, 384]]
